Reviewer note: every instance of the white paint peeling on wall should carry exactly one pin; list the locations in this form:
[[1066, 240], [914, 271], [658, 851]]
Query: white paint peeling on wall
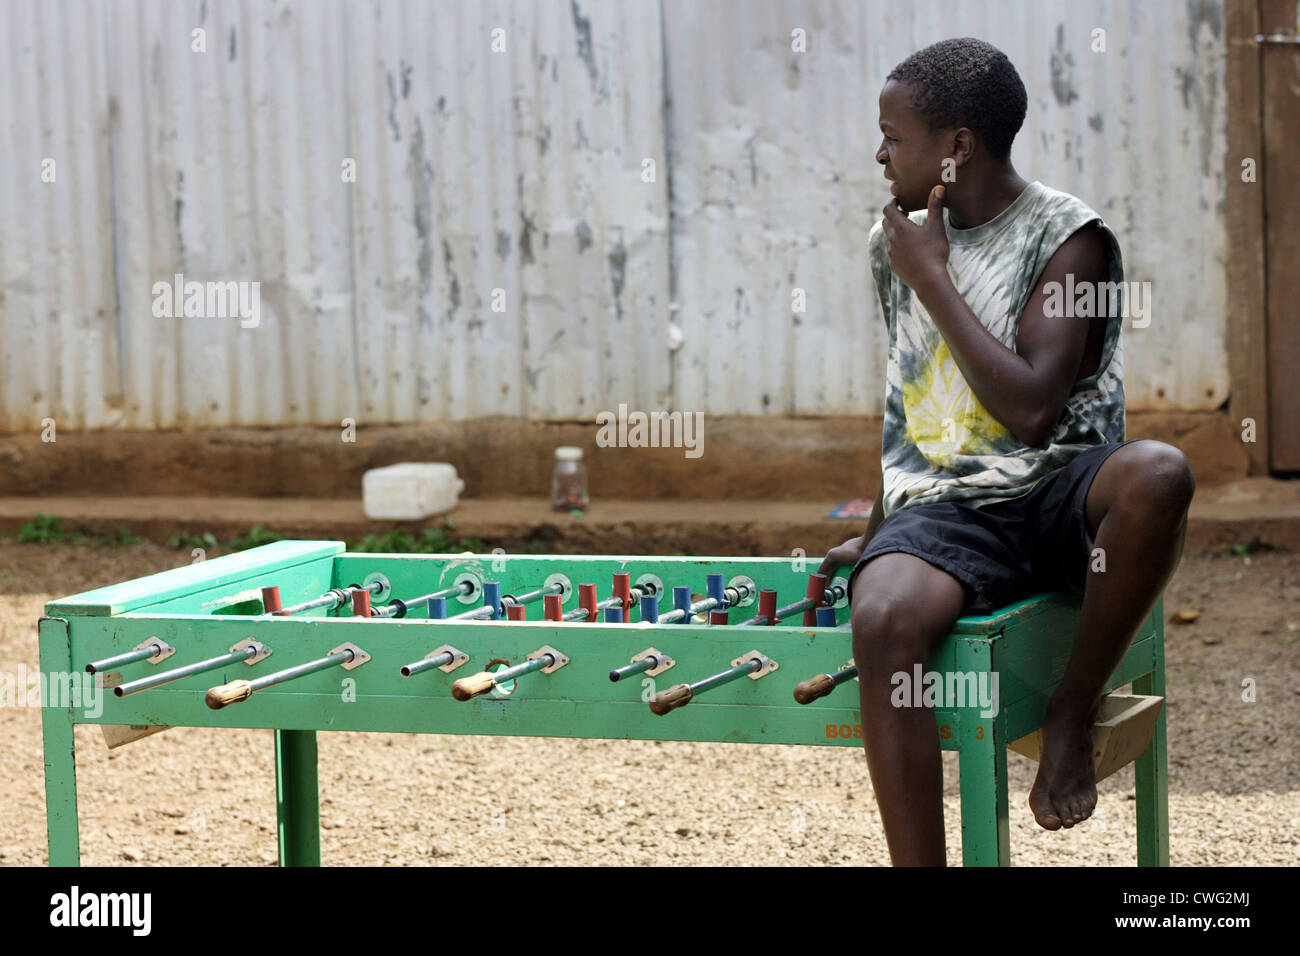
[[515, 176], [57, 308], [776, 186]]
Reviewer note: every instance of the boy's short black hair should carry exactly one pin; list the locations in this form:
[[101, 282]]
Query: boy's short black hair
[[967, 82]]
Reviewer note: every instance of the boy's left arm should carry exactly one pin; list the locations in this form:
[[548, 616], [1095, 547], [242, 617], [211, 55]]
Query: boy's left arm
[[1024, 388]]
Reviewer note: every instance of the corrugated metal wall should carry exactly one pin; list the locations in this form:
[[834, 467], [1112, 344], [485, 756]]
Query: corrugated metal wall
[[521, 177]]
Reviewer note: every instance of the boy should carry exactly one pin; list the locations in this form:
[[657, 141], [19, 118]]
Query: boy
[[1004, 461]]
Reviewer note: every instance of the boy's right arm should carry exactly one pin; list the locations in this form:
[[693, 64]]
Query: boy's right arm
[[847, 554], [877, 515]]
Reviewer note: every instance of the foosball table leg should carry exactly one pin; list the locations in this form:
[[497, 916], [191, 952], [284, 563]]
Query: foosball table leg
[[982, 763], [1151, 770], [297, 797], [985, 823], [60, 751]]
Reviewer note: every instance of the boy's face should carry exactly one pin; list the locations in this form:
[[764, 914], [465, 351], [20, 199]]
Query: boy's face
[[911, 154]]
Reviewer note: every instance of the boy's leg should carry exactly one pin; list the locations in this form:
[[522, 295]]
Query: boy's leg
[[901, 606], [1137, 515]]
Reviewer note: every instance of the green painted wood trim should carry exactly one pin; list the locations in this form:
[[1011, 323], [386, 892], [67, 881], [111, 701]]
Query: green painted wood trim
[[219, 572]]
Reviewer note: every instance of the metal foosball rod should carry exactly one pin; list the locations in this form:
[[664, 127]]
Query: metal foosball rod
[[494, 602], [540, 594], [342, 597], [331, 599], [753, 665], [720, 597], [152, 650], [790, 610], [818, 593], [357, 597], [649, 662], [545, 659], [398, 607], [448, 658], [813, 597], [346, 656], [248, 651]]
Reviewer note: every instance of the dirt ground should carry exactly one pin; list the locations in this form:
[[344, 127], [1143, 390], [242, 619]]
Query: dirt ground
[[207, 797]]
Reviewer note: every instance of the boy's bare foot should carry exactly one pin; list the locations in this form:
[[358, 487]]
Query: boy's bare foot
[[1065, 790]]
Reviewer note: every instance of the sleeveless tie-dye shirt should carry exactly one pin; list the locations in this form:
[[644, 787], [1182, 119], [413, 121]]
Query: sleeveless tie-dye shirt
[[939, 442]]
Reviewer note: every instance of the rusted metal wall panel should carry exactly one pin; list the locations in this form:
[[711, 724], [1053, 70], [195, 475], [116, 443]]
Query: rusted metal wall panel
[[776, 186], [521, 154]]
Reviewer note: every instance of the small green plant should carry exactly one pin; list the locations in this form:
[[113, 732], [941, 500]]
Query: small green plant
[[119, 536], [98, 537], [1253, 546], [256, 537], [183, 539], [431, 540], [43, 529]]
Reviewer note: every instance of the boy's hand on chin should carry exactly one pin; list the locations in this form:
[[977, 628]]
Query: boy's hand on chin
[[917, 254]]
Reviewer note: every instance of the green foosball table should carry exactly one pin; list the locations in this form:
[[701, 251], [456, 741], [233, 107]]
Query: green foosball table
[[300, 637]]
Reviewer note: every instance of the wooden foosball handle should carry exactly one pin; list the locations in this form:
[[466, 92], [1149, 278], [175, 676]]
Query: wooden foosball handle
[[805, 692], [235, 691], [470, 687], [679, 695]]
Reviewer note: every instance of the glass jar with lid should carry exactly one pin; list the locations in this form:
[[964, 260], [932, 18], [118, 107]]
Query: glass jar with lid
[[569, 480]]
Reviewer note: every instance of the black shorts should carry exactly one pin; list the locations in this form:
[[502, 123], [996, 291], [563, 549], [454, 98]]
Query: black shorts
[[1008, 550]]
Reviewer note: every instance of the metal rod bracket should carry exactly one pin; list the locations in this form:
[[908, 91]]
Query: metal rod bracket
[[560, 659], [665, 661], [458, 657], [166, 652], [359, 656], [769, 665], [262, 651]]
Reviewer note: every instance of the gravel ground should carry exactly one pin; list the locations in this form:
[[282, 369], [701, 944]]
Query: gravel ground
[[196, 796]]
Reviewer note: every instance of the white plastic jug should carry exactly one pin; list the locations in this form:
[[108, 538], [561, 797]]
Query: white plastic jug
[[410, 490]]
